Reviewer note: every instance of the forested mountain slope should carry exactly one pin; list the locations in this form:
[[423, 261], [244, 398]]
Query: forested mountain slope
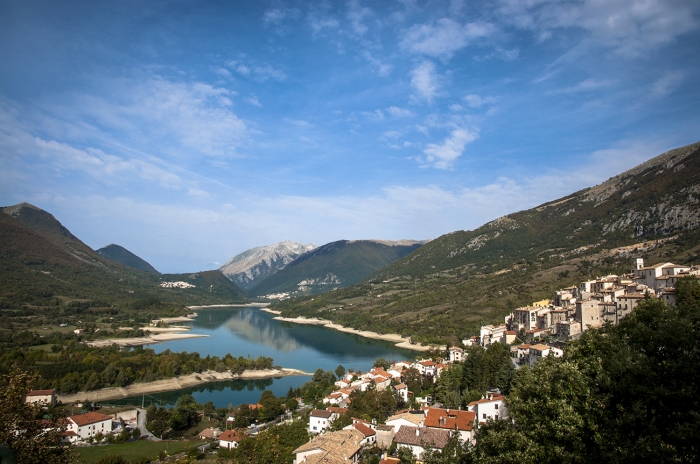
[[463, 279]]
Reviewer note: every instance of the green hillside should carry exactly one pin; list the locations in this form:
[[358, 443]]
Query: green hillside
[[459, 281], [334, 265], [43, 265], [125, 257]]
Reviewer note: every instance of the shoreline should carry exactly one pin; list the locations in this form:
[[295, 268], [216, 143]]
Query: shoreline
[[396, 339], [239, 305], [175, 383], [139, 341]]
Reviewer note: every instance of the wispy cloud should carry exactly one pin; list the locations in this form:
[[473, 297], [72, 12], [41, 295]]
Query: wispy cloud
[[477, 101], [443, 37], [357, 15], [259, 72], [443, 156], [424, 79], [667, 84], [399, 112]]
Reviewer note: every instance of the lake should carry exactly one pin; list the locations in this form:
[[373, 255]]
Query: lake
[[248, 331]]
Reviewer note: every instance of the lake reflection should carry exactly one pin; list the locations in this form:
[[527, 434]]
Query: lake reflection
[[251, 332]]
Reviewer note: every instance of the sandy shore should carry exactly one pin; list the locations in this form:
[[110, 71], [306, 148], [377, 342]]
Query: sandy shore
[[246, 305], [396, 339], [271, 311], [176, 383], [150, 340]]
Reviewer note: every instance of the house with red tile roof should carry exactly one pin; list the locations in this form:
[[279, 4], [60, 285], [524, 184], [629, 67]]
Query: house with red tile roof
[[420, 439], [41, 397], [89, 424], [450, 419], [230, 439]]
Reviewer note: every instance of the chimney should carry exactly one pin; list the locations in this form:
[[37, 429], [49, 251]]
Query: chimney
[[417, 432]]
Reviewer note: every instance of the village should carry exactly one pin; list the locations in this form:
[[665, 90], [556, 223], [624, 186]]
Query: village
[[531, 333]]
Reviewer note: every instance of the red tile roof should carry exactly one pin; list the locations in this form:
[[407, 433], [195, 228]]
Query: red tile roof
[[40, 393], [89, 418], [231, 436], [449, 419], [363, 429]]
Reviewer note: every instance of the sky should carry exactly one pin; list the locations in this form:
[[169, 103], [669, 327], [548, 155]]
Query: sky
[[190, 131]]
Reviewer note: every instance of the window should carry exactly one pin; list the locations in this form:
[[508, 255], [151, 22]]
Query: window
[[496, 406], [484, 415]]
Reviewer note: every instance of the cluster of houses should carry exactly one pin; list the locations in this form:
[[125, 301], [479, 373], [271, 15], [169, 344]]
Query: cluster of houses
[[427, 428], [577, 308]]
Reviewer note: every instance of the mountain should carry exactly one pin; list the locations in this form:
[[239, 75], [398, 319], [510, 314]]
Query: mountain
[[450, 286], [254, 265], [44, 224], [42, 265], [334, 265], [125, 257]]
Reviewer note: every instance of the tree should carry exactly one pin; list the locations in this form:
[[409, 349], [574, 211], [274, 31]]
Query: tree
[[383, 363], [405, 455], [339, 371], [30, 440]]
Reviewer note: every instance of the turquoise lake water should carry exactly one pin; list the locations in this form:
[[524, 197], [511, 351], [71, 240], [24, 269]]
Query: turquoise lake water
[[251, 332]]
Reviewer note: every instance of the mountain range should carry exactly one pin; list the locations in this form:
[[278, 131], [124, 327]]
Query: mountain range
[[334, 265], [450, 286], [42, 262]]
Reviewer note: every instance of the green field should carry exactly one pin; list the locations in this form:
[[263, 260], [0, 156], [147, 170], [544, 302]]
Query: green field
[[130, 451]]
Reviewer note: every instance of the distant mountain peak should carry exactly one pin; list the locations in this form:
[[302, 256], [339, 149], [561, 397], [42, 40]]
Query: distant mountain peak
[[122, 255], [253, 265]]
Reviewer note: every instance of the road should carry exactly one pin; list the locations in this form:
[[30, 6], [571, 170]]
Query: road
[[141, 421]]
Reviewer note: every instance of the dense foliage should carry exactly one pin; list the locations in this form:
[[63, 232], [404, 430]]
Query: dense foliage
[[31, 440], [76, 367]]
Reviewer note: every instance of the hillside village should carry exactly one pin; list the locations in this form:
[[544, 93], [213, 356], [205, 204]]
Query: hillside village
[[572, 311]]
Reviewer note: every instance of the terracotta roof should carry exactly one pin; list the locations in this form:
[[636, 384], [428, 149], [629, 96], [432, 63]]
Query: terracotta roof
[[385, 428], [332, 447], [321, 413], [540, 347], [231, 436], [408, 416], [422, 436], [400, 386], [89, 418], [40, 393], [389, 460], [207, 433], [363, 429], [449, 419], [69, 433]]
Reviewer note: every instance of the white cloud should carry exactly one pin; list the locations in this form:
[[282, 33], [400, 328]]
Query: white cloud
[[424, 80], [456, 107], [399, 112], [222, 72], [443, 156], [253, 100], [357, 15], [630, 27], [101, 166], [587, 86], [392, 134], [383, 69], [376, 115], [477, 101], [259, 72], [667, 84], [444, 37]]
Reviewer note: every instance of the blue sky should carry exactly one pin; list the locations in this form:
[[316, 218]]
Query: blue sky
[[188, 132]]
